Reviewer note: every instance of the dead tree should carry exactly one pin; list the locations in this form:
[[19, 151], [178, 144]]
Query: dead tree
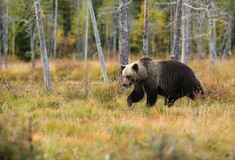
[[43, 50], [176, 41], [123, 35], [145, 38], [55, 27], [98, 44]]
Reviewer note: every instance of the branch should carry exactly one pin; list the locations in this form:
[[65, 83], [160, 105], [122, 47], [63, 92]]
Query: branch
[[197, 9], [124, 5], [166, 3]]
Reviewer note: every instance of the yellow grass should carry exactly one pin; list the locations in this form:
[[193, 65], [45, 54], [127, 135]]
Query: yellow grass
[[81, 119]]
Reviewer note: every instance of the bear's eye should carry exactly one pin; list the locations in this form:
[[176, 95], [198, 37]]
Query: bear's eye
[[128, 77]]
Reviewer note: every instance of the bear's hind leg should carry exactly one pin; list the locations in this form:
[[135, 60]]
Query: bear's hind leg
[[136, 95]]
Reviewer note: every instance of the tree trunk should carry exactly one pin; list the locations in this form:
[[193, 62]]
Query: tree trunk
[[184, 54], [176, 41], [190, 31], [86, 38], [145, 38], [5, 32], [200, 32], [171, 28], [227, 50], [123, 35], [44, 58], [55, 28], [210, 29], [98, 44]]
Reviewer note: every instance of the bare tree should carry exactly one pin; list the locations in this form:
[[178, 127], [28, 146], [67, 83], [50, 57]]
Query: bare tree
[[227, 50], [176, 41], [210, 30], [145, 38], [200, 31], [114, 36], [44, 57], [184, 53], [123, 35], [55, 27], [98, 44]]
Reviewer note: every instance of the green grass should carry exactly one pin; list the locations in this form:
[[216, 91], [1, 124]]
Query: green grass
[[88, 120]]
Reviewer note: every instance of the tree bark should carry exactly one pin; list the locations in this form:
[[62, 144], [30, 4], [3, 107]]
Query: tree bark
[[210, 29], [55, 27], [114, 36], [98, 44], [44, 57], [1, 39], [145, 38], [176, 41], [190, 31], [200, 32], [123, 35], [184, 54]]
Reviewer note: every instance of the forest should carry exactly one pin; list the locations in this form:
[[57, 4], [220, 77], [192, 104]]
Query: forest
[[61, 94]]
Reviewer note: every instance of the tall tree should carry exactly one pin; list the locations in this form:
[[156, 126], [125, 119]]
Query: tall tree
[[176, 41], [184, 53], [44, 57], [200, 31], [98, 44], [123, 35], [145, 38], [210, 29], [55, 26]]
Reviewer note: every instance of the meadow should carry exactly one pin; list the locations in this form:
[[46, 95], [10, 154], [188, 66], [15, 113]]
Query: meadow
[[84, 119]]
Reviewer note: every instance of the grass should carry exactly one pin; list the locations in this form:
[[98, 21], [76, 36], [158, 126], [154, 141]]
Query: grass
[[89, 120]]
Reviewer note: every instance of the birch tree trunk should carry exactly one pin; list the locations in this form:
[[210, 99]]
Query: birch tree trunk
[[98, 44], [44, 57], [210, 30], [200, 32], [176, 41], [5, 32], [123, 35], [190, 31], [145, 38], [184, 54], [86, 38], [55, 27], [227, 50]]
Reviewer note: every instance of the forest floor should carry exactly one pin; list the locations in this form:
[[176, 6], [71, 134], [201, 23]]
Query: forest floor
[[84, 119]]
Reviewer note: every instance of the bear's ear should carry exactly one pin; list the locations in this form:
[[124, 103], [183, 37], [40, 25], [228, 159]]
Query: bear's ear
[[123, 66], [135, 67]]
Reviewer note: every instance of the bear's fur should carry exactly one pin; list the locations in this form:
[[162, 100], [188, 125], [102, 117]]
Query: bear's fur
[[168, 78]]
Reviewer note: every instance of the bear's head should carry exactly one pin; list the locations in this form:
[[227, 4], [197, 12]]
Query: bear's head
[[132, 73]]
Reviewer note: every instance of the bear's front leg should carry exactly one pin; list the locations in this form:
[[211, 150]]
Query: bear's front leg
[[151, 95], [136, 95]]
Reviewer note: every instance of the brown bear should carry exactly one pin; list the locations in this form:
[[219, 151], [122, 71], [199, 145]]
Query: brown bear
[[168, 78]]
